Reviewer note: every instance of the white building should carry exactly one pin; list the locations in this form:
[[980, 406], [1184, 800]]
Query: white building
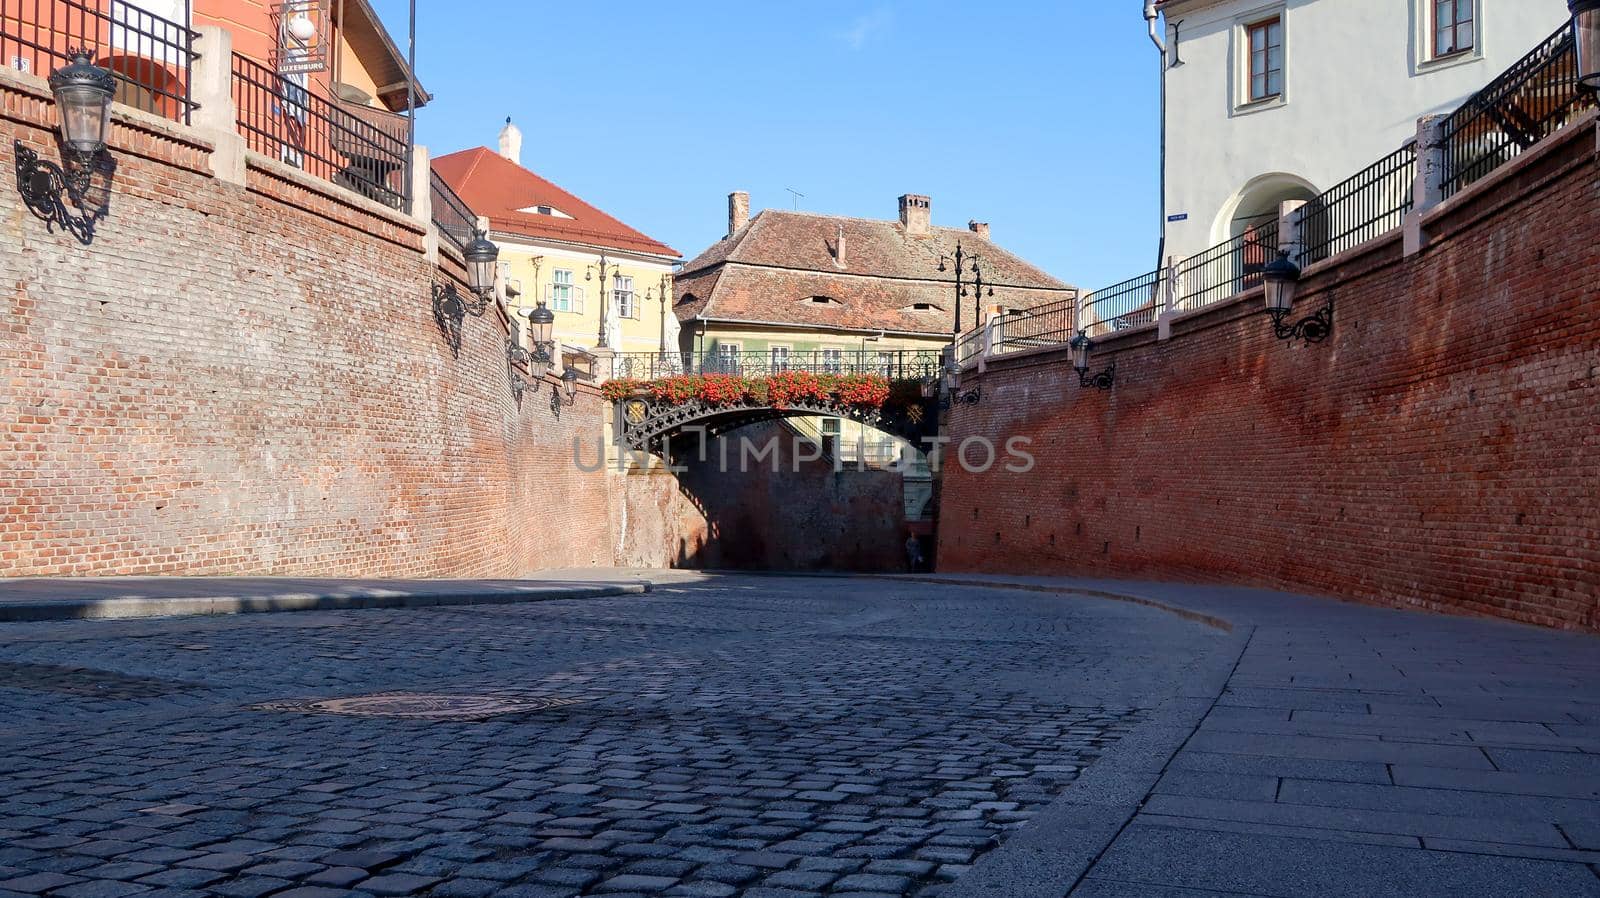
[[1276, 101]]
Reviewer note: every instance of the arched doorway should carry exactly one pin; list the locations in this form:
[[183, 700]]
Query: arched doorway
[[1258, 202]]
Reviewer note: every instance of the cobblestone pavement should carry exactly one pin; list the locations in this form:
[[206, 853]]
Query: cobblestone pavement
[[747, 736]]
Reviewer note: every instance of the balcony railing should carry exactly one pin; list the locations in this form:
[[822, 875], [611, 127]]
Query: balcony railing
[[150, 56], [895, 364], [1359, 209], [1133, 303], [1529, 102], [365, 151], [1043, 325], [1228, 268], [451, 215]]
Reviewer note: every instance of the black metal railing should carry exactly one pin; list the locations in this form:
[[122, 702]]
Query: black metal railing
[[1133, 303], [1361, 208], [1228, 268], [1049, 324], [1529, 102], [150, 56], [451, 214], [969, 345], [895, 364], [280, 117]]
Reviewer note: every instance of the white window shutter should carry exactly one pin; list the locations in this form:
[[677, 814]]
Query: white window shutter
[[577, 299]]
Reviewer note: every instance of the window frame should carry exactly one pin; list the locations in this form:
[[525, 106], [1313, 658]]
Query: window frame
[[832, 358], [772, 356], [629, 307], [1265, 24], [1434, 53], [572, 301]]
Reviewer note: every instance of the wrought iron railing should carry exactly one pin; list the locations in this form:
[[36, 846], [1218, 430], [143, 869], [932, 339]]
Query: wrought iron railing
[[1529, 102], [969, 345], [150, 56], [895, 364], [1362, 208], [1044, 325], [280, 117], [1228, 268], [451, 215], [1133, 303]]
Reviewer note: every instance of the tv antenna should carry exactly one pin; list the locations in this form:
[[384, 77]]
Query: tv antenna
[[798, 196]]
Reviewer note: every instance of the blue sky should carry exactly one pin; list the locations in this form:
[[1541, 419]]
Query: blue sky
[[1038, 117]]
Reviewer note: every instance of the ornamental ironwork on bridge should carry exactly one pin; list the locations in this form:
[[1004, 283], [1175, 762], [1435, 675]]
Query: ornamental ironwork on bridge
[[649, 424]]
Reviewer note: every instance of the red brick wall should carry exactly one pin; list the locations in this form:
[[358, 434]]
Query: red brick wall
[[1441, 451], [250, 380]]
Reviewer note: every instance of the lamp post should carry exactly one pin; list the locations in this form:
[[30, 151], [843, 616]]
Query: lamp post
[[964, 262], [606, 264], [665, 285], [1586, 37], [83, 93], [1281, 278], [1081, 345]]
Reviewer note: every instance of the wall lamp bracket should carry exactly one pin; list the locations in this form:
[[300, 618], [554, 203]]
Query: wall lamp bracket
[[47, 189], [1100, 380], [1314, 328]]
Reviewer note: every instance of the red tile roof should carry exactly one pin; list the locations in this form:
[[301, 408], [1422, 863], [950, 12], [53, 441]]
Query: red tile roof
[[499, 188], [771, 268]]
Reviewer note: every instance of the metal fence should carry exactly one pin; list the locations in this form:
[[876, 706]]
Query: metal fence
[[1133, 303], [149, 55], [969, 345], [1361, 208], [280, 117], [451, 214], [1045, 325], [1228, 268], [1529, 102], [895, 364]]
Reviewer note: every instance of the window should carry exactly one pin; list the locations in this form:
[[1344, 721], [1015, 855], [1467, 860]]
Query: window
[[833, 361], [1266, 59], [780, 358], [627, 305], [562, 294], [727, 361], [1453, 27]]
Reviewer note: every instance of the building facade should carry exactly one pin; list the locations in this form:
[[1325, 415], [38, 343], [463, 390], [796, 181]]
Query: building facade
[[790, 289], [1284, 99], [607, 283]]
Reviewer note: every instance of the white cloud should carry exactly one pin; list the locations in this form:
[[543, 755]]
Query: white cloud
[[865, 27]]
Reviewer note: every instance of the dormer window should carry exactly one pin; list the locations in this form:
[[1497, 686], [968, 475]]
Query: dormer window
[[551, 211], [824, 300], [922, 307]]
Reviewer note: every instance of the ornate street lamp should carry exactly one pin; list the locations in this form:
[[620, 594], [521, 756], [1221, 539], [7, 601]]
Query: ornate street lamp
[[568, 391], [961, 261], [541, 333], [1281, 278], [450, 308], [1081, 345], [1586, 36], [83, 93], [606, 264]]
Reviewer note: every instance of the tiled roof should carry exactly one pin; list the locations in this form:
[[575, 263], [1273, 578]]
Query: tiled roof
[[499, 188], [771, 268]]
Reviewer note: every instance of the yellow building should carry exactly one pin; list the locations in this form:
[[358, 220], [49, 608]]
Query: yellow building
[[608, 284]]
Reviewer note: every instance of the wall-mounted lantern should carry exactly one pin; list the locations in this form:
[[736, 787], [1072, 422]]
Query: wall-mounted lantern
[[1586, 36], [1281, 278], [1081, 346], [83, 93], [956, 395], [450, 308], [568, 394], [541, 333]]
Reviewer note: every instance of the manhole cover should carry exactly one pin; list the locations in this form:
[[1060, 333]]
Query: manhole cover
[[419, 706]]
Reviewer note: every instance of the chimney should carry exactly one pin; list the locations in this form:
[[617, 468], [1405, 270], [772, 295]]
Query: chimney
[[915, 214], [511, 142], [981, 228], [738, 211], [838, 248]]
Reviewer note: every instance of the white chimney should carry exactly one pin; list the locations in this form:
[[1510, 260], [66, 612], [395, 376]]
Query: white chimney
[[838, 248], [511, 142], [738, 211]]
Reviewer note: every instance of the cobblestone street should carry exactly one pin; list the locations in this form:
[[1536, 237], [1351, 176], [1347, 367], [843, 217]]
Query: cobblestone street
[[737, 736]]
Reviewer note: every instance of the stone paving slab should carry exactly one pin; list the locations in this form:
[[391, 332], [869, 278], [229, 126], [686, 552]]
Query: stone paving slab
[[1351, 750], [91, 598]]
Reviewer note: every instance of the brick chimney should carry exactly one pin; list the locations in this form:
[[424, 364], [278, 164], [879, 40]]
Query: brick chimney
[[738, 211], [511, 142], [915, 214], [981, 228]]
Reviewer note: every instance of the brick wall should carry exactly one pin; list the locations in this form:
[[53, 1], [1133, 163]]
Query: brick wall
[[249, 380], [1442, 450]]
